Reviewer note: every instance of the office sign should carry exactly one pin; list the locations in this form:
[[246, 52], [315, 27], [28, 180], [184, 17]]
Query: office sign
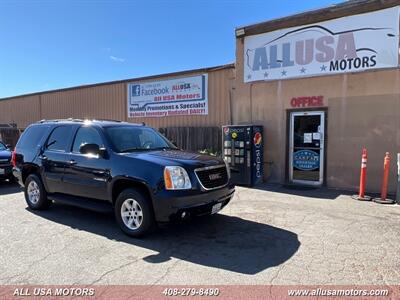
[[173, 97], [349, 44]]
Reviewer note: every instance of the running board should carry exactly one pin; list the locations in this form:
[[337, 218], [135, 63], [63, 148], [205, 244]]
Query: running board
[[101, 206]]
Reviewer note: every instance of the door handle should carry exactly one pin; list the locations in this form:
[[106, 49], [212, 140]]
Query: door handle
[[72, 162]]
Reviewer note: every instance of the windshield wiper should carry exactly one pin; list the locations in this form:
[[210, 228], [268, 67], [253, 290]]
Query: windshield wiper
[[145, 149], [132, 149], [161, 148]]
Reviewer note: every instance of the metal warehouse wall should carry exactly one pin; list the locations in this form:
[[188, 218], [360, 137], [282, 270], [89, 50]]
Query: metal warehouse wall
[[109, 101], [101, 101], [21, 110]]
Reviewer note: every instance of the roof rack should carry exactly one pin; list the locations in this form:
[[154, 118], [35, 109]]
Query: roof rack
[[107, 120], [61, 120], [78, 120]]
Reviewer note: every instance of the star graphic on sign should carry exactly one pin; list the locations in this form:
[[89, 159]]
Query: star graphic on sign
[[323, 68], [249, 76], [266, 74], [302, 70], [284, 73]]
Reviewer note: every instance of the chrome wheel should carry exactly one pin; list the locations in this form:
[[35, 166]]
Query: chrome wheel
[[33, 192], [131, 214]]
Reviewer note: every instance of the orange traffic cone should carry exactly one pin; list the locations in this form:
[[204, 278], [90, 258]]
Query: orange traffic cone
[[385, 180], [363, 177]]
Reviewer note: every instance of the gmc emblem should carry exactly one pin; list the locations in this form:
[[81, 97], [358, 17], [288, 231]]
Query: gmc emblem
[[214, 176]]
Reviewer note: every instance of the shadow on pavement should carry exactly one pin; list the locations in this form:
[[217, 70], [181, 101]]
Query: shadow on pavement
[[7, 188], [303, 191], [218, 241]]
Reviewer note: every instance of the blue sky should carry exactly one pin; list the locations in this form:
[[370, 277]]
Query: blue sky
[[48, 45]]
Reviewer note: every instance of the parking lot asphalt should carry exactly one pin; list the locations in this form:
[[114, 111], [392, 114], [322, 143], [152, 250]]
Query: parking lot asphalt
[[266, 235]]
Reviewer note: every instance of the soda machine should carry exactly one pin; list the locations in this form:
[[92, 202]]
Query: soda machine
[[242, 149]]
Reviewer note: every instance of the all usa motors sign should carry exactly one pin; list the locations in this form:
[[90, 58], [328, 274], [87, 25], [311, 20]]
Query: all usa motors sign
[[173, 97], [348, 44]]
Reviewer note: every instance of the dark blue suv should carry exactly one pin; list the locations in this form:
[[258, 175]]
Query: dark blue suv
[[129, 168]]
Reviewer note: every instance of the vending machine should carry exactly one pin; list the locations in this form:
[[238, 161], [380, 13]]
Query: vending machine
[[242, 149]]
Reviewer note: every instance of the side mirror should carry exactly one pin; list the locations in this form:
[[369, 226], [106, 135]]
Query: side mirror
[[8, 146], [90, 149]]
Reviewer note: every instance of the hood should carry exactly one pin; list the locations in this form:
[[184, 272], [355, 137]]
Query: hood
[[178, 157], [5, 154]]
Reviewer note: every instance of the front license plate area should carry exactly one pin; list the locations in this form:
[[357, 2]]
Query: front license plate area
[[216, 208]]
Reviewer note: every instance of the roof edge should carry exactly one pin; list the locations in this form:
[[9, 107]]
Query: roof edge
[[206, 69], [343, 9]]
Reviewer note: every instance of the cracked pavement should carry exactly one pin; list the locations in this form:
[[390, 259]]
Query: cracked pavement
[[266, 235]]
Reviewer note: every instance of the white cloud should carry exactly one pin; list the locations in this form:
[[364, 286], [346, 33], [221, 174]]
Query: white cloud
[[118, 59]]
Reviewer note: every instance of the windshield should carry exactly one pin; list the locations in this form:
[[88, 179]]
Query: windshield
[[2, 147], [134, 138]]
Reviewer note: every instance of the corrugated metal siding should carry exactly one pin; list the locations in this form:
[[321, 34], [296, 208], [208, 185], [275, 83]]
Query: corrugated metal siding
[[104, 102], [110, 102], [22, 110]]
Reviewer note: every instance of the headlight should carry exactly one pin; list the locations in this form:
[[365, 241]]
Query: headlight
[[176, 178]]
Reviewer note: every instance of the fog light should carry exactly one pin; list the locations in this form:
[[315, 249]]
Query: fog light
[[183, 215]]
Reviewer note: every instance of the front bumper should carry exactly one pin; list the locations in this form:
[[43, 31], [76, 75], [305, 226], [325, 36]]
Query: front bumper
[[169, 205], [5, 171]]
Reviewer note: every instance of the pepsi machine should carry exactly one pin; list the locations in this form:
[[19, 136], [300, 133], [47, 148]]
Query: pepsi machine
[[242, 149]]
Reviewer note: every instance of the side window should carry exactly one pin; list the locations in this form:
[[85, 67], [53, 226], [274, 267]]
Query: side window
[[59, 138], [31, 137], [86, 135]]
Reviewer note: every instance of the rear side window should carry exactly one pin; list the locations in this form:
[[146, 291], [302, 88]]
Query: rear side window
[[31, 137], [59, 138]]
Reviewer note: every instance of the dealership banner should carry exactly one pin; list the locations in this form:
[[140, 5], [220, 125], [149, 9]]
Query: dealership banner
[[232, 292], [348, 44], [173, 97]]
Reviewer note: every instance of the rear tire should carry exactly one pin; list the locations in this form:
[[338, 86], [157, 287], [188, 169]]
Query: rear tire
[[35, 193], [134, 213]]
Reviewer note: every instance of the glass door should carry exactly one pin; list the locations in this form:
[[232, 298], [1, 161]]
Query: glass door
[[306, 149]]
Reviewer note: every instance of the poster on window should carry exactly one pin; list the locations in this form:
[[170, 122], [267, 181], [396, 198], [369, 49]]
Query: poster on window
[[169, 98]]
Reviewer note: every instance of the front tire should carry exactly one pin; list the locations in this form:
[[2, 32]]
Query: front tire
[[133, 213], [35, 194]]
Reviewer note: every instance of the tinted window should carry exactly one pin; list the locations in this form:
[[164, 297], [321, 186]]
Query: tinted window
[[31, 137], [135, 138], [2, 146], [86, 135], [59, 138]]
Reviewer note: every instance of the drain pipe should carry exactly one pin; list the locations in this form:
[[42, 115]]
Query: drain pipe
[[398, 179]]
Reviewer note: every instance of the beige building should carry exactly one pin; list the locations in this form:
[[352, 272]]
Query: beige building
[[318, 110], [327, 117]]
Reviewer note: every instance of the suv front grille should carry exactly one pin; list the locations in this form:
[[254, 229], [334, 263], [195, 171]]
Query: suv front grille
[[212, 177], [4, 161]]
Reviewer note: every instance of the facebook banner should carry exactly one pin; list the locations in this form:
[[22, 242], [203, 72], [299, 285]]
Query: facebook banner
[[173, 97]]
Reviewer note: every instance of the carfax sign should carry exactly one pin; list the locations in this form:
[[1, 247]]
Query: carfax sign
[[348, 44], [306, 160], [173, 97]]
